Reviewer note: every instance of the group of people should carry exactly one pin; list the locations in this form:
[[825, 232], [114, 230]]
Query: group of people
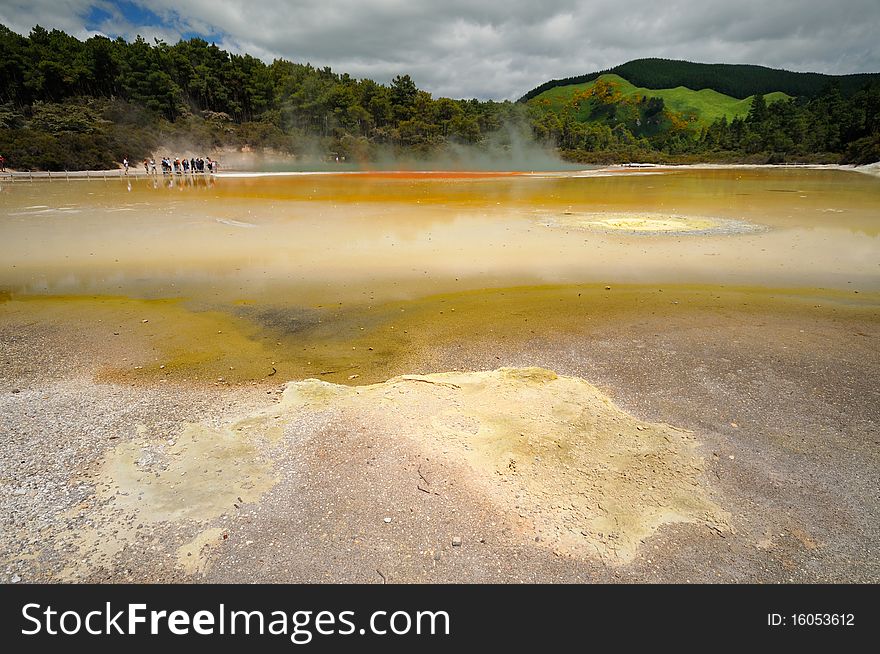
[[181, 166]]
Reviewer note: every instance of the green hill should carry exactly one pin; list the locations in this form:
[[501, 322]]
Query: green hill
[[736, 80], [703, 106]]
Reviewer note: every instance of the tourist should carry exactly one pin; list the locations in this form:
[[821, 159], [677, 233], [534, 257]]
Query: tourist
[[2, 164], [125, 164]]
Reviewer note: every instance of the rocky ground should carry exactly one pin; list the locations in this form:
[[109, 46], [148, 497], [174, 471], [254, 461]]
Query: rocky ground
[[749, 441]]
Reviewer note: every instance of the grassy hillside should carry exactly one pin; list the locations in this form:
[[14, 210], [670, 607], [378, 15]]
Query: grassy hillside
[[736, 80], [703, 106]]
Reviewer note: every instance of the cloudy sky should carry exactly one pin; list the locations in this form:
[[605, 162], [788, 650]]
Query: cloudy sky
[[489, 49]]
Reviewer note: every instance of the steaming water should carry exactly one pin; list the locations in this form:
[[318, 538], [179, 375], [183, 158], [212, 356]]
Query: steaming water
[[372, 237], [357, 277]]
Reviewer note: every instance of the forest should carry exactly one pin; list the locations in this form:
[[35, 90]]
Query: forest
[[603, 126], [68, 104]]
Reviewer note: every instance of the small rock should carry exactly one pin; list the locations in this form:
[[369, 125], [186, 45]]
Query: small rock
[[15, 579], [16, 390], [456, 541], [607, 288], [145, 320], [387, 520], [437, 556]]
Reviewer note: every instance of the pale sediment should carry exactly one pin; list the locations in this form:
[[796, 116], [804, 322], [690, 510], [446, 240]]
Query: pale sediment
[[651, 224], [589, 478]]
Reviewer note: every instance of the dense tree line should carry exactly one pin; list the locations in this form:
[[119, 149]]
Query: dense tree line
[[830, 123], [71, 104], [737, 80], [66, 103], [599, 124]]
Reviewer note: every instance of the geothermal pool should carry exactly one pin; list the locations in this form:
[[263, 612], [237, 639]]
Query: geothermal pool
[[308, 274], [331, 238], [607, 375]]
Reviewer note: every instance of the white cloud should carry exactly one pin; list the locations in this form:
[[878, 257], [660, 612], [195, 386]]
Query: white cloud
[[495, 49], [68, 15]]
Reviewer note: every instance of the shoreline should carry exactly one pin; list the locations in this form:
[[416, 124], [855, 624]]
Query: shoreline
[[309, 478], [64, 175], [231, 172]]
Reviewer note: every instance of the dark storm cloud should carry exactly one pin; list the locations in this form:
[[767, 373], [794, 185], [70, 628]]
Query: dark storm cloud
[[495, 49]]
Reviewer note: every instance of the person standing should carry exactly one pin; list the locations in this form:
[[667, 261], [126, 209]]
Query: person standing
[[125, 164], [2, 164]]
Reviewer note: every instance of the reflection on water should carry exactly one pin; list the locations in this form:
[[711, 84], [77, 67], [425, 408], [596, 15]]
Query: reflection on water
[[325, 238]]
